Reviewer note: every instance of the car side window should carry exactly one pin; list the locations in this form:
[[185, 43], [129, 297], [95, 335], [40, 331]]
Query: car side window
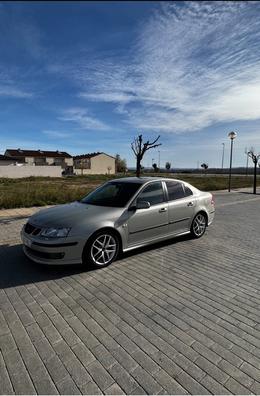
[[153, 193], [175, 190], [187, 191]]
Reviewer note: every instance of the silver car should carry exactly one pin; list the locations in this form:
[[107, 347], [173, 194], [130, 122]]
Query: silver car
[[120, 215]]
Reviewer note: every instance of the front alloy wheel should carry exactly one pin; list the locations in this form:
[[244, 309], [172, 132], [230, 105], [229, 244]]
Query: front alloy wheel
[[102, 249], [199, 225]]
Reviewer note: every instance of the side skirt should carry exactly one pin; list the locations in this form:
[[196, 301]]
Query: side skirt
[[155, 240]]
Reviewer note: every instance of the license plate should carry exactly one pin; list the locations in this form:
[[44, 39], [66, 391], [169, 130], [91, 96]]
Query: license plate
[[27, 242]]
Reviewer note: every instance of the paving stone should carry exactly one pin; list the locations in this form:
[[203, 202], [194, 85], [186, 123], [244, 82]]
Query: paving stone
[[227, 355], [250, 370], [162, 320], [100, 375], [207, 353], [4, 329], [6, 387], [83, 353], [77, 372], [236, 388], [114, 390], [236, 373], [169, 385], [68, 387], [91, 388], [104, 356], [124, 359], [22, 384], [121, 376], [146, 362], [191, 385], [213, 386], [45, 386], [7, 343], [255, 388], [56, 369], [214, 371], [146, 381]]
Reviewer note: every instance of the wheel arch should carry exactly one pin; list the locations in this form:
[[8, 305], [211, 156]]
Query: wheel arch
[[203, 211], [110, 229]]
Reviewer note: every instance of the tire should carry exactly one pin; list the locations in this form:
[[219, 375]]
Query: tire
[[199, 225], [101, 250]]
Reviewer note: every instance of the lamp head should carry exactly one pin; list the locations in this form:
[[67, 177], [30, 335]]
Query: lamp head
[[232, 135]]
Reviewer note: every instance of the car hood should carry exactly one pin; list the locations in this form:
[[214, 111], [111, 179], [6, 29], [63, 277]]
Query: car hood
[[74, 213]]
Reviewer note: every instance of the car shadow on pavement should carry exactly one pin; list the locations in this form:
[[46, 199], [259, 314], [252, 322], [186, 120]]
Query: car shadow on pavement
[[154, 246], [17, 269]]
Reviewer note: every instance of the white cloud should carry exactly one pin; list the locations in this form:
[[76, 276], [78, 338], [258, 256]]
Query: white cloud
[[13, 92], [83, 119], [194, 64], [56, 134]]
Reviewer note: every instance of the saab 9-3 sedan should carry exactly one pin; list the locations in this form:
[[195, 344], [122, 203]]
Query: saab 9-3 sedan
[[120, 215]]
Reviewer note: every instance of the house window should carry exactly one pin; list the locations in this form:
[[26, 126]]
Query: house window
[[83, 163], [58, 161], [40, 161]]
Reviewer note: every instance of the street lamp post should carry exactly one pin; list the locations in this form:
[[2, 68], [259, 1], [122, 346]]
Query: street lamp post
[[223, 152], [159, 159], [232, 136]]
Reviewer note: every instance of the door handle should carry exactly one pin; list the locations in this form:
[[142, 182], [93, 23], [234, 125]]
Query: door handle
[[162, 210], [190, 204]]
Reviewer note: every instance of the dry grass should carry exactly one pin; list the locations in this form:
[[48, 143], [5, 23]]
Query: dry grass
[[40, 191]]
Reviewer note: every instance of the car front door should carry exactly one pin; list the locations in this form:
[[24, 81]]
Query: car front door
[[150, 223], [181, 207]]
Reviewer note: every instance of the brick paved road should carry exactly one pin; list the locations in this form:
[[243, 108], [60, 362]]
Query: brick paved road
[[181, 317]]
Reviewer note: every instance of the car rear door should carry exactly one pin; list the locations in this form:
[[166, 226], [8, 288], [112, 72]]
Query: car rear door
[[151, 223], [181, 207]]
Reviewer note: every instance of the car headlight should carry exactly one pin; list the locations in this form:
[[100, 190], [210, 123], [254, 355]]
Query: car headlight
[[55, 232]]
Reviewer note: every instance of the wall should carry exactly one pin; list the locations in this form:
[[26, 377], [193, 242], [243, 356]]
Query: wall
[[6, 162], [99, 166], [14, 172]]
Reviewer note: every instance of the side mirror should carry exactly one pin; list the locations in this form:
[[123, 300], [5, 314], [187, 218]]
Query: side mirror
[[143, 205]]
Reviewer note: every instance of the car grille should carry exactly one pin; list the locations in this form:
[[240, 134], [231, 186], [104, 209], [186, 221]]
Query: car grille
[[30, 229]]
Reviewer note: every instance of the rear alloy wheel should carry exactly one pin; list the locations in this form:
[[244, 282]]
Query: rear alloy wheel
[[102, 249], [199, 225]]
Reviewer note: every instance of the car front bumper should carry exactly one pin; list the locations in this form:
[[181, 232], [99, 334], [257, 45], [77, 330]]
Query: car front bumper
[[58, 251]]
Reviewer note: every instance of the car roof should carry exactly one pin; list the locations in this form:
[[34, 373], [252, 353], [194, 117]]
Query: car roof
[[143, 180]]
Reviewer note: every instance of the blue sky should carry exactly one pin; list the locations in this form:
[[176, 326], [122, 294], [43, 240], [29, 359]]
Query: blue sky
[[89, 76]]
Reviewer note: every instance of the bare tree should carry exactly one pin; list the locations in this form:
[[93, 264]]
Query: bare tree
[[168, 166], [139, 148], [255, 158], [155, 167], [204, 166]]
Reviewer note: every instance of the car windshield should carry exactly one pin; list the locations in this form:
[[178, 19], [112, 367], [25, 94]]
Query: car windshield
[[114, 194]]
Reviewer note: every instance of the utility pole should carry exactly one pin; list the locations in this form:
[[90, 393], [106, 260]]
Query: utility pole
[[223, 152]]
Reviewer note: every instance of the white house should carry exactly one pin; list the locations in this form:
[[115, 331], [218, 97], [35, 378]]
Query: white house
[[94, 164]]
